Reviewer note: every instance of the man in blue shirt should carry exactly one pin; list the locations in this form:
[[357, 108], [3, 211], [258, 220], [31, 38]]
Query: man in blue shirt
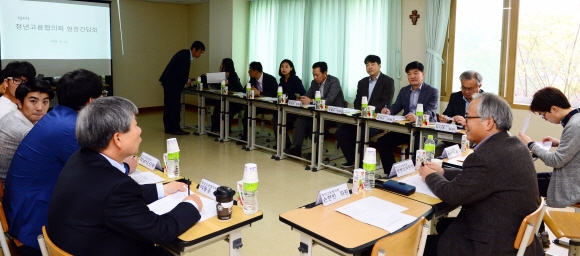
[[40, 157]]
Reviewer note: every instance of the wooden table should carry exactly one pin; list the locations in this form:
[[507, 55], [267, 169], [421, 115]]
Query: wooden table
[[341, 233], [453, 162], [213, 230]]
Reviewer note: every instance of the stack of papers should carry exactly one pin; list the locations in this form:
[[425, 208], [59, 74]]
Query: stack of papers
[[268, 99], [420, 185], [166, 204], [378, 212], [145, 177], [239, 94]]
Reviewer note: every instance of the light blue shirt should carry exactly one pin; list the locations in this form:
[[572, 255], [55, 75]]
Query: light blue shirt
[[159, 186], [414, 99], [466, 103], [190, 55], [372, 84]]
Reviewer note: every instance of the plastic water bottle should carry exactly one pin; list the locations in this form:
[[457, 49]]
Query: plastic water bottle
[[370, 165], [248, 90], [364, 105], [419, 115], [279, 94], [103, 79], [250, 188], [250, 202], [317, 99], [430, 148]]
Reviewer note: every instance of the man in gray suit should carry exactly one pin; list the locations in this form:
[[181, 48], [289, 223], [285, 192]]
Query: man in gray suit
[[330, 91], [497, 187]]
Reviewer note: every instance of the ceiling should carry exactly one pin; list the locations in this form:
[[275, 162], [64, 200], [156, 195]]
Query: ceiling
[[178, 1]]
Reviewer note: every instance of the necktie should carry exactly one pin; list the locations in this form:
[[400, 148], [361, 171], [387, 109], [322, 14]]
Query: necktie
[[258, 86]]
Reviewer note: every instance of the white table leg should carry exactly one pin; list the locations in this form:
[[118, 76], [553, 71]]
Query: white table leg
[[236, 242], [305, 248]]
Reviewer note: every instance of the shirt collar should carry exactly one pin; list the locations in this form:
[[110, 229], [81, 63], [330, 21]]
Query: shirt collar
[[261, 79], [568, 116], [114, 163], [21, 116], [420, 86], [323, 82], [190, 56], [484, 140], [376, 78]]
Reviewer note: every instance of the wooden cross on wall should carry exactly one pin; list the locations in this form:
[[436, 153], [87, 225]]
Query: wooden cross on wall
[[414, 16]]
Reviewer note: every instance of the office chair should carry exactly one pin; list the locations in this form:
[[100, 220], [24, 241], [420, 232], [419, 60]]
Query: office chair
[[410, 241], [47, 247], [529, 228]]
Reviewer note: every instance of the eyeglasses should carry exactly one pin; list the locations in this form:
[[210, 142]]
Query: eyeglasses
[[467, 117], [16, 81], [472, 89], [544, 115]]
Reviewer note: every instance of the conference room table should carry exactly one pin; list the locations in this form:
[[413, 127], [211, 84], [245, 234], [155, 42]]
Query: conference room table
[[253, 104], [340, 233], [348, 117], [305, 111], [211, 230]]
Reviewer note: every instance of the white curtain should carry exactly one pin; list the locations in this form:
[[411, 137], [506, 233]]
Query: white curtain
[[340, 33], [435, 30]]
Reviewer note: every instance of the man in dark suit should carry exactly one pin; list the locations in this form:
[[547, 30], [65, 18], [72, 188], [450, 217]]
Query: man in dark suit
[[263, 84], [379, 90], [417, 92], [96, 208], [174, 78], [497, 187], [458, 102], [330, 92]]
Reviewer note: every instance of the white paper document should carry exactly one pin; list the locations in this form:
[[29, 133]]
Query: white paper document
[[545, 145], [145, 177], [166, 204], [526, 123], [271, 99], [240, 94], [400, 118], [420, 185], [378, 213]]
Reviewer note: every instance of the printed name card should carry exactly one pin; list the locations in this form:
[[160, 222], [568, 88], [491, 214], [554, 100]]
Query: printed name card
[[402, 168], [335, 110], [453, 151], [149, 162], [332, 195], [386, 118], [295, 103], [445, 127], [207, 188]]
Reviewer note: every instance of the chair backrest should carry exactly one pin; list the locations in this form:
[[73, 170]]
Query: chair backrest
[[410, 241], [529, 228], [52, 249]]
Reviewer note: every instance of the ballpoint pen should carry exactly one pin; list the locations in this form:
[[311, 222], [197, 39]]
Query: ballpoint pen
[[188, 187]]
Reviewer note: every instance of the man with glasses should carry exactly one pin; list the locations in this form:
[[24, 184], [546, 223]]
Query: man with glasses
[[174, 78], [496, 188], [458, 102], [15, 73]]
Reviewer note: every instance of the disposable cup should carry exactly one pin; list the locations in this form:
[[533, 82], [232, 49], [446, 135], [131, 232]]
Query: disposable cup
[[364, 100], [317, 95], [250, 177], [172, 146], [419, 108], [224, 197], [370, 155], [439, 162]]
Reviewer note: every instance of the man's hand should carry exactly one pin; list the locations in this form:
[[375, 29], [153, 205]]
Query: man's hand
[[555, 142], [444, 119], [305, 100], [256, 91], [411, 117], [424, 171], [196, 199], [132, 162], [385, 111], [524, 138], [173, 187], [435, 167], [459, 120]]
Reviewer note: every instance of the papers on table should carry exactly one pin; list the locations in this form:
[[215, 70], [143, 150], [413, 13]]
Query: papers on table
[[166, 204], [239, 94], [215, 91], [268, 99], [378, 212], [145, 177], [420, 185], [350, 111], [400, 118], [462, 159]]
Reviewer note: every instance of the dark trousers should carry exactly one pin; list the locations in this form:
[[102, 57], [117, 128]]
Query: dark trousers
[[303, 126], [433, 240], [346, 140], [388, 142], [172, 107], [290, 118], [259, 111], [216, 115]]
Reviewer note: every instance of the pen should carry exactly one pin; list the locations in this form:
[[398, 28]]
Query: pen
[[188, 189]]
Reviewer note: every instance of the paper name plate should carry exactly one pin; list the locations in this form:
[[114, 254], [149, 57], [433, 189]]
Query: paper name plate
[[335, 110], [294, 103], [332, 195], [149, 162], [402, 168], [445, 127], [207, 188]]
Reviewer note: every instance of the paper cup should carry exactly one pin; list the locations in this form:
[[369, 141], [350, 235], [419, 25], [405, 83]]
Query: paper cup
[[439, 162], [250, 177], [317, 95], [370, 155], [419, 108], [364, 100], [172, 146]]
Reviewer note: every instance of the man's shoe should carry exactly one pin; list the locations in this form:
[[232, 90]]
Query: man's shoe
[[180, 132], [347, 165], [296, 151], [241, 143]]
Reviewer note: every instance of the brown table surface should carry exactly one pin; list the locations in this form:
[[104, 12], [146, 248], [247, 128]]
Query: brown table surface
[[343, 232], [454, 161]]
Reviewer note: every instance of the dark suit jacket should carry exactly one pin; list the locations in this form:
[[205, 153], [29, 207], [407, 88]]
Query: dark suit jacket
[[98, 210], [294, 85], [177, 70], [269, 85], [332, 92], [381, 96], [429, 97], [456, 105], [234, 83], [496, 189]]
